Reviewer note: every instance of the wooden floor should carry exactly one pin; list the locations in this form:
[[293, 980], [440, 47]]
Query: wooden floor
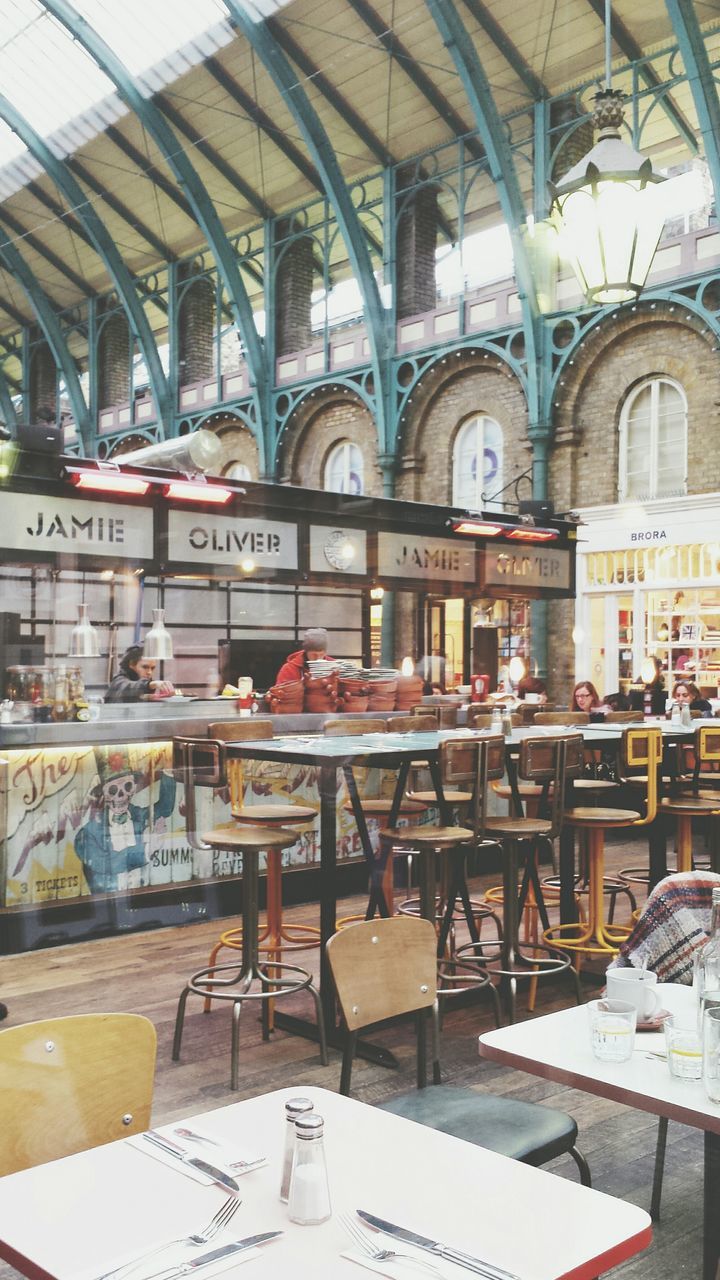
[[144, 973]]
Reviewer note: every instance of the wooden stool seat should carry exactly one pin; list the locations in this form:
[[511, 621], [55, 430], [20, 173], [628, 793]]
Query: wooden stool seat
[[596, 816], [595, 784], [435, 837], [450, 797], [526, 790], [519, 828], [262, 815], [381, 808], [689, 806], [241, 836]]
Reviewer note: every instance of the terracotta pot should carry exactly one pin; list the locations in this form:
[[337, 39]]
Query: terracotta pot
[[286, 699], [321, 695], [409, 693], [352, 695], [382, 695]]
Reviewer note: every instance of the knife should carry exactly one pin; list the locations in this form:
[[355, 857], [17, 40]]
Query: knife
[[237, 1246], [440, 1250], [210, 1170]]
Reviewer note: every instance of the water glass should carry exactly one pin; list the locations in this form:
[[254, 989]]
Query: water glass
[[711, 1052], [684, 1047], [612, 1029]]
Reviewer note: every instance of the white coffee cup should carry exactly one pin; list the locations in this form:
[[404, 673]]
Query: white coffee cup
[[638, 987]]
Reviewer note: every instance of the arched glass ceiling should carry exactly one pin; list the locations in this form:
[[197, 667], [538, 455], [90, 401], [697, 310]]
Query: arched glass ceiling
[[53, 82]]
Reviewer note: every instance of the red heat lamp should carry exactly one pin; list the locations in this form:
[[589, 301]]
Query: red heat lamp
[[529, 533], [109, 482], [489, 529], [478, 528], [186, 491]]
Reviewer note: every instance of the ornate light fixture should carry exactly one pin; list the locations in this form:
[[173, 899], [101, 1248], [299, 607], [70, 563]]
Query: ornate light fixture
[[606, 208]]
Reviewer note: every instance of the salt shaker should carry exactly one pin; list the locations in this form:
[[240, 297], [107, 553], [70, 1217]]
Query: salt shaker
[[497, 721], [294, 1107], [309, 1201], [507, 724], [686, 717]]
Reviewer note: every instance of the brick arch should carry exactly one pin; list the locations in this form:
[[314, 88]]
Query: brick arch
[[321, 421], [455, 389], [238, 442], [584, 460]]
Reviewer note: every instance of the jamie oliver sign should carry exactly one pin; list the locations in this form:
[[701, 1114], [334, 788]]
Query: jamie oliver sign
[[35, 522], [402, 555], [528, 567], [206, 539]]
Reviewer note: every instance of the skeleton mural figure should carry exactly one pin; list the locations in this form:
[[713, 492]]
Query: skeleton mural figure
[[113, 840]]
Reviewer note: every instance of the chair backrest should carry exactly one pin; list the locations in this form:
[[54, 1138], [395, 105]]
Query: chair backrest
[[480, 720], [337, 728], [472, 763], [445, 716], [427, 714], [624, 717], [550, 761], [198, 762], [382, 968], [411, 724], [561, 717], [73, 1083], [240, 730], [641, 749]]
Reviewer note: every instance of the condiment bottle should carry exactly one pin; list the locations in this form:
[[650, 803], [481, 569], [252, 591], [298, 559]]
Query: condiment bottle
[[685, 716], [294, 1107], [309, 1200]]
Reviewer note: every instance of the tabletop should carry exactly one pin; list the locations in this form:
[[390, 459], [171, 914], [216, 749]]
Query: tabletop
[[78, 1217], [557, 1047]]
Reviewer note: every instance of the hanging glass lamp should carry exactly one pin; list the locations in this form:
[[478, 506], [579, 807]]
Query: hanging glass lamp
[[158, 641]]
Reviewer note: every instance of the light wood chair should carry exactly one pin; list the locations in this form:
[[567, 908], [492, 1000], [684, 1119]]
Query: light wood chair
[[641, 748], [624, 717], [385, 968], [561, 717], [481, 719], [73, 1083], [446, 716]]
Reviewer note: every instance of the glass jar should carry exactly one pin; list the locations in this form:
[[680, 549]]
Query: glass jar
[[18, 684], [76, 684]]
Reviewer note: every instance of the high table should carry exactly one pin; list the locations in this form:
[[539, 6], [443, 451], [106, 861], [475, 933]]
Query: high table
[[395, 751], [557, 1047], [76, 1218]]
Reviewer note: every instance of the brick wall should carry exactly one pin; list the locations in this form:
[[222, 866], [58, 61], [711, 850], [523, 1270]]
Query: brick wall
[[321, 422], [238, 445], [43, 381], [196, 331], [415, 248], [572, 148], [293, 296], [114, 362]]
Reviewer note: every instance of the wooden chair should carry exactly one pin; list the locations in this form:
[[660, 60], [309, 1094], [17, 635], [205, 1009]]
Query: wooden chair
[[481, 720], [624, 717], [561, 717], [468, 764], [73, 1083], [385, 968], [446, 716], [641, 748]]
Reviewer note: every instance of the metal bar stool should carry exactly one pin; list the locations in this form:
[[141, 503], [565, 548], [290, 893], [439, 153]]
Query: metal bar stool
[[641, 748], [547, 761]]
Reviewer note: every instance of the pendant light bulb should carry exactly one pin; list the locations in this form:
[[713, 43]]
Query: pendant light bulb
[[158, 641], [83, 637]]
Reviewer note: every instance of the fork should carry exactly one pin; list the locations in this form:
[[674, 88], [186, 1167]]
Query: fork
[[367, 1246], [216, 1224]]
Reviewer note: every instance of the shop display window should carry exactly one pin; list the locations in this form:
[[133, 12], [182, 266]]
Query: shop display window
[[683, 629]]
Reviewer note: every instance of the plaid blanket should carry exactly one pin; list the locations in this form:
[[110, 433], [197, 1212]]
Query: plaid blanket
[[675, 921]]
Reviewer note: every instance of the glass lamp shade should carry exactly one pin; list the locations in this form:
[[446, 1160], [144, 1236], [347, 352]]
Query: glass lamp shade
[[158, 641], [83, 637], [517, 669], [608, 212]]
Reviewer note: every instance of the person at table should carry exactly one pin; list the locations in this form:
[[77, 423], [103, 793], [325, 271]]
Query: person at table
[[585, 697], [314, 646], [135, 679], [687, 694], [535, 687], [648, 694], [431, 670]]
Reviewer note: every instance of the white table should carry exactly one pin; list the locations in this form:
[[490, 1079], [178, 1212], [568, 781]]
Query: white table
[[557, 1047], [80, 1216]]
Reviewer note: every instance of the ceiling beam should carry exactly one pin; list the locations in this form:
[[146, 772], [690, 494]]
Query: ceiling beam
[[105, 247], [703, 85], [203, 211], [509, 51], [628, 45], [46, 254], [159, 246]]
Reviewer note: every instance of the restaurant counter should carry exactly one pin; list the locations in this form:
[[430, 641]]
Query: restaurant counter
[[92, 823]]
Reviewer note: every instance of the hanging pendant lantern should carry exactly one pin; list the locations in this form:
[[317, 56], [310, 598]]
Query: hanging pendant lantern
[[83, 637], [158, 641], [608, 212]]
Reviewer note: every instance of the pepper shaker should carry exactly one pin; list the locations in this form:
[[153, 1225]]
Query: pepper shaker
[[294, 1107], [309, 1201]]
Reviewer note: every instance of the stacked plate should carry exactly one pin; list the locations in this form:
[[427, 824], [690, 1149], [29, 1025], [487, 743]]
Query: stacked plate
[[320, 668], [379, 673]]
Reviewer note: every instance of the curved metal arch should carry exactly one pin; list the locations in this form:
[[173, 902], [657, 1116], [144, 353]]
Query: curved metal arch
[[502, 171], [608, 318], [123, 281], [7, 408], [186, 176], [286, 81], [246, 420], [299, 395], [50, 325], [481, 348], [701, 81]]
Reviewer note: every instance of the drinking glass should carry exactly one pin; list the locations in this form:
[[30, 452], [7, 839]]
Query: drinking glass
[[612, 1029], [711, 1052], [684, 1048]]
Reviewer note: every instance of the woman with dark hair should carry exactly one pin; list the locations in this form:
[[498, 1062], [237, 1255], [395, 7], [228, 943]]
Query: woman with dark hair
[[585, 697], [687, 694], [134, 680]]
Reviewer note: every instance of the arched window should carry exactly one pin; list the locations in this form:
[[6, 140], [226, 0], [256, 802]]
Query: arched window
[[653, 441], [344, 469], [478, 464], [238, 471]]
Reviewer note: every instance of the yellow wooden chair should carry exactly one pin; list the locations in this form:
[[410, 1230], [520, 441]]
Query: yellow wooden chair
[[73, 1083]]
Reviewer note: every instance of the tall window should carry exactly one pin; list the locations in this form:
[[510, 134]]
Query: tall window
[[344, 469], [478, 463], [653, 441]]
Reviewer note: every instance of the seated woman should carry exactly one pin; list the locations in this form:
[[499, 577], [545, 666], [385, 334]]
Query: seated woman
[[687, 694], [535, 687], [585, 697]]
